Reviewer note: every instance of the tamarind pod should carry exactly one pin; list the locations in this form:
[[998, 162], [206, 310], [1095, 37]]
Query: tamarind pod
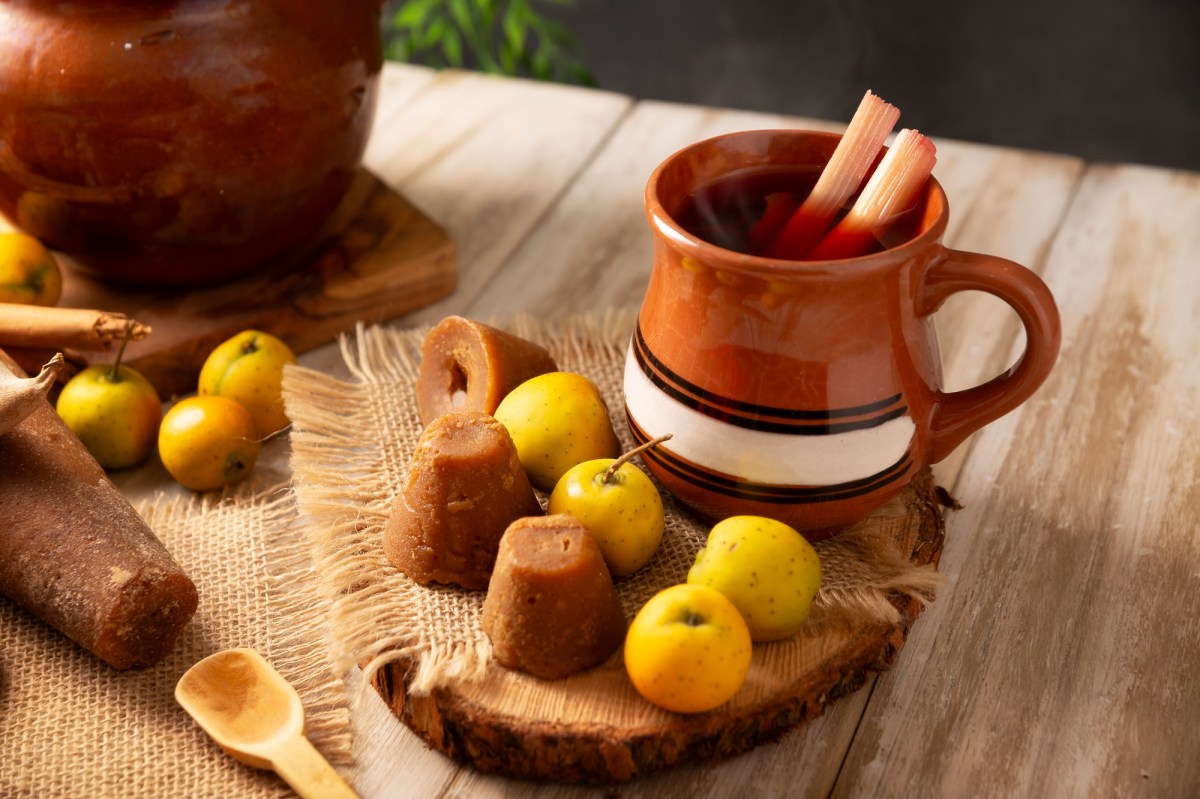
[[31, 359], [20, 396]]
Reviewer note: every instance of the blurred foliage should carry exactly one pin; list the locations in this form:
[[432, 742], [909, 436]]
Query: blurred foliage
[[507, 37]]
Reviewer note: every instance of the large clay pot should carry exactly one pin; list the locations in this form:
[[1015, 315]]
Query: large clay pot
[[182, 142]]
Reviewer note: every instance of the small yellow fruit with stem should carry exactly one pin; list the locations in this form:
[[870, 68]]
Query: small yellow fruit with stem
[[208, 442], [688, 649], [767, 570], [249, 368], [618, 504], [114, 410]]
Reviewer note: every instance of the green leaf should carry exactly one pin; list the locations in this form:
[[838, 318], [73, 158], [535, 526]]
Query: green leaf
[[507, 36], [452, 47], [437, 31], [540, 65], [487, 14], [514, 32], [581, 76], [508, 58], [462, 15], [398, 50], [558, 33], [412, 13]]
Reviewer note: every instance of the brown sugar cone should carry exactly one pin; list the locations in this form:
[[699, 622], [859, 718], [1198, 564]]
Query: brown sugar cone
[[75, 553], [551, 608], [469, 366], [465, 485]]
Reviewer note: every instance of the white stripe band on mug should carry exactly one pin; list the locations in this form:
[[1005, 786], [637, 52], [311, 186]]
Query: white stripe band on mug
[[759, 456]]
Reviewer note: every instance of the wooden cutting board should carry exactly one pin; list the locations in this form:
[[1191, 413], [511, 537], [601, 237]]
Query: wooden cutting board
[[593, 726], [383, 257]]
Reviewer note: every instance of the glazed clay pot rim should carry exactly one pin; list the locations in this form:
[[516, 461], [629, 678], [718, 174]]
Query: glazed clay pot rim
[[776, 268]]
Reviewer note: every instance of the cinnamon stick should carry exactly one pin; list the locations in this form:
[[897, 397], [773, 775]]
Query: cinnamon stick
[[53, 327]]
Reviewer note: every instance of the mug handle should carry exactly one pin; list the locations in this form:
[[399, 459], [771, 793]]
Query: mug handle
[[958, 414]]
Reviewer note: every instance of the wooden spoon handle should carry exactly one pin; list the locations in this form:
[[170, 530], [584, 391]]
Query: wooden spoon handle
[[309, 774]]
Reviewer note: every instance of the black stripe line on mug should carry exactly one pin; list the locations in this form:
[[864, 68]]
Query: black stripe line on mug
[[713, 481], [645, 356], [748, 492], [803, 428], [640, 437]]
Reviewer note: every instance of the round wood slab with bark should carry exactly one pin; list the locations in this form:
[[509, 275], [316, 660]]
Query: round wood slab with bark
[[594, 727]]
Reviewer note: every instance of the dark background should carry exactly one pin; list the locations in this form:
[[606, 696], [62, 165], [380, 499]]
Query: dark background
[[1107, 80]]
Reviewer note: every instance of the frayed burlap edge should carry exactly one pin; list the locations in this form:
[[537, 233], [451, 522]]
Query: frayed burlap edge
[[302, 634], [879, 572], [351, 445], [293, 636]]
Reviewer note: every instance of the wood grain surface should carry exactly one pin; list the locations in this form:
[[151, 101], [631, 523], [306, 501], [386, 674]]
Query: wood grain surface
[[1058, 660], [951, 718]]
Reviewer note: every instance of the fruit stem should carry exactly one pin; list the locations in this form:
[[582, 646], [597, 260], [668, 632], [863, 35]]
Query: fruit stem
[[621, 461], [112, 373]]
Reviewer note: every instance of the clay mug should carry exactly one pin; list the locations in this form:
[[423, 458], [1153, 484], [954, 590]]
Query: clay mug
[[808, 391]]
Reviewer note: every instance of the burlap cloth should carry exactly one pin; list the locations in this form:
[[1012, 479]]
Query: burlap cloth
[[315, 594], [351, 446], [72, 727]]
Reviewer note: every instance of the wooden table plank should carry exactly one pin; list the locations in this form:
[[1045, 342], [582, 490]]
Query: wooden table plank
[[399, 84], [1003, 202], [1060, 661], [593, 249], [486, 157]]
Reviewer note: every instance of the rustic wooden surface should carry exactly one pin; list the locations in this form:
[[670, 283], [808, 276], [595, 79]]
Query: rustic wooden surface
[[594, 727], [1059, 659], [382, 258], [1033, 584]]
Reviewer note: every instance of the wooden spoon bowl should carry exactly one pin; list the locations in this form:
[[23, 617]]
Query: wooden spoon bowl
[[256, 716]]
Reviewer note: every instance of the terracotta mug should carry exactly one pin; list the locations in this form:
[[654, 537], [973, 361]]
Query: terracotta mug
[[808, 391]]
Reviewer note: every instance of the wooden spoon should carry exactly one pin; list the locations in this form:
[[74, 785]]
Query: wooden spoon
[[252, 712]]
